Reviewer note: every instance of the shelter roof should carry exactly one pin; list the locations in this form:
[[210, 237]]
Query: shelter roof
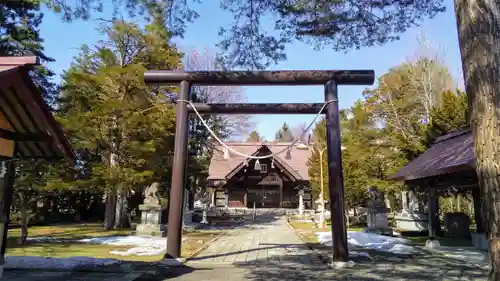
[[451, 153], [27, 127]]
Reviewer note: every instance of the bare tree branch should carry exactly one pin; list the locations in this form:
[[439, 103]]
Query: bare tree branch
[[429, 75], [228, 125], [298, 130]]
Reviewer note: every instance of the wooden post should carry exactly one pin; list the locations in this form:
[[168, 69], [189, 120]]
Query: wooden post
[[281, 194], [212, 196], [245, 186], [174, 232], [478, 213], [335, 178], [432, 212], [6, 192], [254, 211], [226, 198], [245, 197]]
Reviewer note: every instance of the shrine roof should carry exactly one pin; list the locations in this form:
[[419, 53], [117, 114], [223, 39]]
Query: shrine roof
[[451, 153], [296, 163]]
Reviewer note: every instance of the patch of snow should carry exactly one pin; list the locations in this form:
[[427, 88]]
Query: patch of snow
[[371, 241], [45, 239], [144, 246], [359, 254], [341, 264], [401, 249], [66, 263]]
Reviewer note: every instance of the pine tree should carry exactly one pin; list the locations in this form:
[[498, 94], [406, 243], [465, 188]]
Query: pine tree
[[177, 14], [254, 137], [336, 24], [451, 115], [19, 36], [108, 110], [366, 161]]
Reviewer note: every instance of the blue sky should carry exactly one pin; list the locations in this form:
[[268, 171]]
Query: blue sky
[[62, 41]]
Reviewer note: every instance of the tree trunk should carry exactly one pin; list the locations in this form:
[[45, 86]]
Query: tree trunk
[[110, 212], [24, 218], [46, 209], [24, 234], [478, 23], [111, 196], [122, 218], [439, 230]]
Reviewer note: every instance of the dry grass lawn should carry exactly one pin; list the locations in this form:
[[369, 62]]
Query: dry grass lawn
[[70, 247], [307, 230]]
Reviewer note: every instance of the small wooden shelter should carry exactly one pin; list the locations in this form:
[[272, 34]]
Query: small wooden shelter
[[449, 162], [27, 131]]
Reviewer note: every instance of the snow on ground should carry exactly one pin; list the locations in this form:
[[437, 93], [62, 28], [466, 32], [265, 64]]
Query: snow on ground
[[144, 246], [371, 241], [342, 264], [46, 239], [66, 263], [359, 254]]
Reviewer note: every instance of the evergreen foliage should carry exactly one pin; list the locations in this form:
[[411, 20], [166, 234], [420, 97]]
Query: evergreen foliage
[[254, 137], [122, 128], [452, 115], [19, 36], [389, 127]]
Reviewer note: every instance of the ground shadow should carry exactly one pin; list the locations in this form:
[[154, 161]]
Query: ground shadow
[[243, 221], [380, 265], [420, 267], [301, 265], [241, 252], [238, 220]]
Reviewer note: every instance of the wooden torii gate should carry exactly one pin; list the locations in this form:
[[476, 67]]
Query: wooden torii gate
[[329, 78]]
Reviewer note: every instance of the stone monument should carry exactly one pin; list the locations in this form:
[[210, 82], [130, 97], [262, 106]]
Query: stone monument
[[204, 202], [151, 211], [377, 220], [457, 224], [301, 202], [412, 217], [187, 214]]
